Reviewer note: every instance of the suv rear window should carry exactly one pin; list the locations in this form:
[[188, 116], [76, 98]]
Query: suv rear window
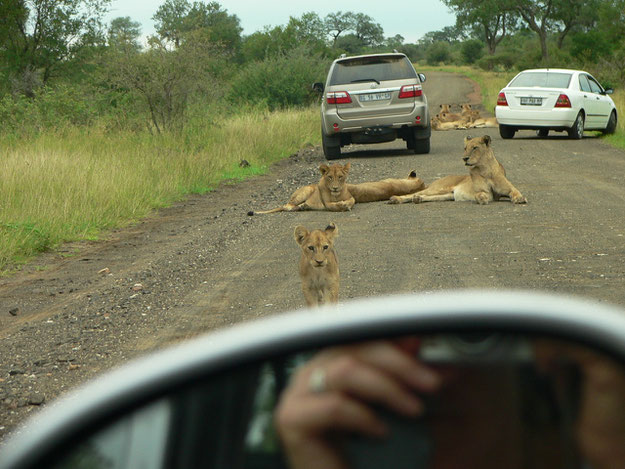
[[542, 79], [372, 68]]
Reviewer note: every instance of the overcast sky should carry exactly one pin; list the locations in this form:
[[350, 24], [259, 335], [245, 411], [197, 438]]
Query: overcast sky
[[410, 18]]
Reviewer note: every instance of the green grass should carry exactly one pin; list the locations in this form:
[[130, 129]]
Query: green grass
[[76, 184]]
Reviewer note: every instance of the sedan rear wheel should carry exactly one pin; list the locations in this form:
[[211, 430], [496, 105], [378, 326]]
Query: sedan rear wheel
[[611, 127], [506, 131], [577, 131]]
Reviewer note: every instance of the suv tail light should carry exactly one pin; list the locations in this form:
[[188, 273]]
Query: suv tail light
[[563, 101], [338, 97], [410, 91], [501, 99]]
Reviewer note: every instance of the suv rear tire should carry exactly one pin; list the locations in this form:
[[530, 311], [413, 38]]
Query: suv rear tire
[[331, 146], [420, 146]]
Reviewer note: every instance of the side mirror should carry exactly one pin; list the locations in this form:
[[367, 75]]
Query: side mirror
[[318, 87], [609, 91], [422, 77], [522, 379]]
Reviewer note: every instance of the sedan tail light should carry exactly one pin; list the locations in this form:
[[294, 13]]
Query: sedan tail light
[[563, 101], [338, 97], [410, 91], [501, 99]]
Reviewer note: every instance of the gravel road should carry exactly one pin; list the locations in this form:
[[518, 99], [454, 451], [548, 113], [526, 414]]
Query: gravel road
[[204, 263]]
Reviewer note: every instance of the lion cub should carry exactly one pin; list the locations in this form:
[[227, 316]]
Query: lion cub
[[318, 265]]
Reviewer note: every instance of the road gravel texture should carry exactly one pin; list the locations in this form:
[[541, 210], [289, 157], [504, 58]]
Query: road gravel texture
[[204, 263]]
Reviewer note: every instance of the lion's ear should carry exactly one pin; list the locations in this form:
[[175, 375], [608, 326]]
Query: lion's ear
[[486, 140], [466, 139], [331, 231], [346, 167], [300, 234], [324, 168]]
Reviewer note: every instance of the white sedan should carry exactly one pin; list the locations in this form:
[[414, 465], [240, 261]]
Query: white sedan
[[555, 99]]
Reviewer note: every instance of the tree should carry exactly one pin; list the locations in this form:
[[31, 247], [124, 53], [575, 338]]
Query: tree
[[123, 32], [339, 22], [541, 17], [167, 79], [395, 42], [574, 13], [492, 18], [176, 18], [40, 35], [350, 43], [221, 27], [309, 28], [369, 33], [448, 34], [169, 20], [472, 50]]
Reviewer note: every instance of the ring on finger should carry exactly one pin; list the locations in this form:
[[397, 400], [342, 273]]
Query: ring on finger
[[317, 381]]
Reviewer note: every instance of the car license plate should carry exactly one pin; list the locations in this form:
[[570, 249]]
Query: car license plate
[[526, 101], [375, 97]]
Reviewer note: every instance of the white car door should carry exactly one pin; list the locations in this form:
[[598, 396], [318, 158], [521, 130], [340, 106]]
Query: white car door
[[590, 104], [601, 107]]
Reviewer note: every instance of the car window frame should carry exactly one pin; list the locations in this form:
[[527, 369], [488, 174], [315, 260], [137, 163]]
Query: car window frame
[[592, 81], [583, 79]]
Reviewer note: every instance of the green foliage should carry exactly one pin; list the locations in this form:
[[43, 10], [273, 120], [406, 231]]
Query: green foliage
[[439, 52], [42, 35], [472, 50], [123, 32], [167, 79], [279, 82], [589, 45], [497, 62], [175, 19]]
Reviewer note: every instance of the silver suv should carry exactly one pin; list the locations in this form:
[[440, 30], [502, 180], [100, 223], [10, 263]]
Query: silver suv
[[373, 99]]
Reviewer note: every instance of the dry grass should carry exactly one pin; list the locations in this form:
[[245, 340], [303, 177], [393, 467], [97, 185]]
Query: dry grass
[[74, 184]]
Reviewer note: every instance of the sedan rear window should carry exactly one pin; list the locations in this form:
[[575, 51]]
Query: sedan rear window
[[372, 69], [542, 80]]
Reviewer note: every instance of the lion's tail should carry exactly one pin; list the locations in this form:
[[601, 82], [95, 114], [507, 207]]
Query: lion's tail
[[273, 210]]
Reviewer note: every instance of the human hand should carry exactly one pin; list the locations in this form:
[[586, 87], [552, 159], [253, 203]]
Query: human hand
[[335, 391]]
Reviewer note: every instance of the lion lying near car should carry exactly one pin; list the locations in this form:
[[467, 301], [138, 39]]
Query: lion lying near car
[[333, 193], [318, 264], [485, 182], [469, 118]]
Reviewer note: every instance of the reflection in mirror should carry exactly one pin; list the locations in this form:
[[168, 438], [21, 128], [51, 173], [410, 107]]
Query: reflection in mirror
[[137, 440], [441, 401]]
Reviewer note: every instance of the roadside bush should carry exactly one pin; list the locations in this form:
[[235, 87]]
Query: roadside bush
[[590, 46], [472, 50], [279, 82], [439, 52], [49, 108], [497, 62]]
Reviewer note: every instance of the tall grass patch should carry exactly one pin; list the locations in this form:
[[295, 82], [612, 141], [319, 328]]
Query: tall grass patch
[[70, 185]]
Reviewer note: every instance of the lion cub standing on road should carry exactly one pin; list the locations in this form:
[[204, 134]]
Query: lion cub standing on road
[[485, 182], [318, 265]]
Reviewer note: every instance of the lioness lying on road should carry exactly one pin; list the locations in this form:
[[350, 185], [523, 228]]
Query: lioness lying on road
[[334, 194], [318, 265], [485, 182]]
